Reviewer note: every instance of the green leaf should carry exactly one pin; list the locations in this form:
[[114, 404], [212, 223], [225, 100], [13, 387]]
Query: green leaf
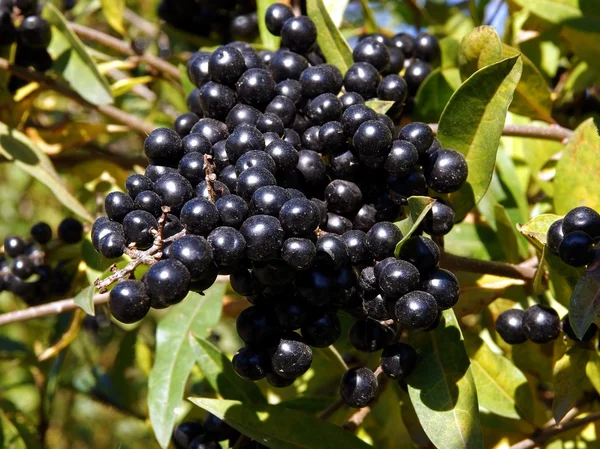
[[554, 11], [442, 387], [85, 300], [336, 9], [74, 63], [482, 47], [121, 87], [432, 97], [577, 180], [309, 404], [536, 229], [25, 154], [369, 18], [174, 357], [10, 437], [418, 207], [219, 373], [278, 427], [380, 106], [472, 124], [507, 234], [585, 302], [501, 387], [569, 377], [330, 40], [592, 370], [113, 12], [269, 41]]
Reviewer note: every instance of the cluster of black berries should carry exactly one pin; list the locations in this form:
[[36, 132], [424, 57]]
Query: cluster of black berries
[[23, 268], [21, 22], [291, 190], [207, 435], [573, 238], [226, 18], [539, 324], [378, 60]]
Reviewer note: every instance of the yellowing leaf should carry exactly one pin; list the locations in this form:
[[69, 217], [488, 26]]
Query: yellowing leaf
[[113, 12]]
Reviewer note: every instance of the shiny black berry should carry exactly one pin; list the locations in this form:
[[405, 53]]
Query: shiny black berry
[[264, 237], [584, 219], [228, 245], [416, 310], [117, 205], [70, 230], [135, 184], [443, 286], [233, 210], [398, 278], [343, 197], [167, 282], [226, 65], [358, 387], [249, 364], [35, 32], [299, 217], [256, 87], [41, 232], [372, 139], [194, 253], [186, 432], [163, 146], [419, 134], [576, 249], [369, 335], [14, 246], [184, 123], [541, 324], [324, 108], [174, 191], [415, 74], [128, 301], [427, 48], [299, 253], [382, 239], [256, 325], [321, 329], [440, 219], [284, 154], [276, 15], [422, 252], [509, 326], [299, 34], [287, 65], [354, 116], [555, 236], [402, 158], [199, 216], [291, 357], [217, 100], [363, 79], [372, 51]]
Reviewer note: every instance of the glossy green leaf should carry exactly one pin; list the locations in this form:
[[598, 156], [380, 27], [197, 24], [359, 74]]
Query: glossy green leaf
[[472, 124], [569, 377], [17, 148], [174, 357], [442, 388], [330, 40], [113, 12], [384, 424], [336, 9], [501, 387], [269, 41], [219, 373], [554, 11], [507, 234], [278, 427], [380, 106], [10, 437], [577, 180], [432, 97], [75, 64], [584, 305], [85, 300], [482, 47], [536, 229], [418, 207]]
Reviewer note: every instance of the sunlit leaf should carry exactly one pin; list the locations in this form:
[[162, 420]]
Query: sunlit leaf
[[174, 357], [442, 388], [380, 106], [280, 428], [472, 124], [269, 41], [570, 379], [554, 11], [418, 207], [113, 12], [85, 300]]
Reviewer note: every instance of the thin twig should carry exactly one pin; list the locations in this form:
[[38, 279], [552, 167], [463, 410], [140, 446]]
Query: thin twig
[[52, 308], [552, 132], [329, 411], [522, 271], [210, 177], [140, 23], [540, 438], [356, 420], [122, 47], [46, 82]]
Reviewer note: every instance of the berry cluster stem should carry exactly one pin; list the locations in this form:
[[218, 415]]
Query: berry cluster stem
[[553, 132], [525, 270]]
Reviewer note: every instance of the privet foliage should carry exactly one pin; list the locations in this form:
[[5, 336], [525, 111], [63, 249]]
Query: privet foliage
[[519, 100]]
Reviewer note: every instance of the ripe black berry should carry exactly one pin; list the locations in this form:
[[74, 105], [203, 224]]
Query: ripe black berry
[[284, 154], [249, 364], [422, 253], [398, 361], [284, 108], [252, 179], [357, 248], [270, 123], [174, 191], [14, 246], [402, 159], [343, 197], [415, 74], [211, 129], [117, 205], [392, 88], [354, 116], [321, 329], [576, 249], [299, 217], [256, 87], [264, 237], [194, 253], [382, 239], [41, 232], [555, 236], [332, 251], [358, 387], [241, 113], [440, 219], [199, 216], [22, 267], [324, 108], [447, 171], [299, 253], [226, 65], [243, 139], [167, 282], [318, 80], [350, 99], [398, 278], [70, 230], [128, 301], [369, 336], [372, 51], [372, 139], [277, 14], [443, 286], [299, 34], [397, 60], [228, 245], [287, 65], [291, 357], [427, 48], [416, 310], [112, 245], [541, 324], [35, 32], [184, 123], [256, 325], [419, 134], [363, 79], [191, 167], [233, 210], [217, 100], [197, 68], [135, 184], [404, 42], [163, 146], [291, 88], [216, 190], [582, 219], [186, 432]]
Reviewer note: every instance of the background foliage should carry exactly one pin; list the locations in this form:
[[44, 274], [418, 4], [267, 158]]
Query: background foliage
[[77, 381]]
